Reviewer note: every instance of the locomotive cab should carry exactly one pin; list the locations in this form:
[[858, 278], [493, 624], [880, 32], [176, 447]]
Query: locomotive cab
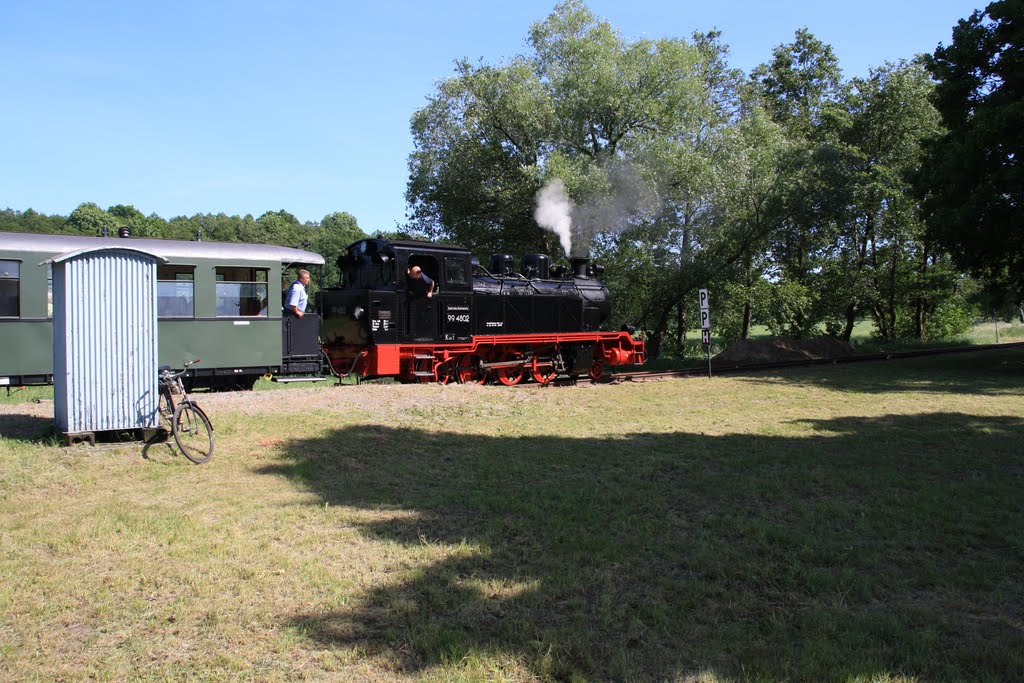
[[377, 303]]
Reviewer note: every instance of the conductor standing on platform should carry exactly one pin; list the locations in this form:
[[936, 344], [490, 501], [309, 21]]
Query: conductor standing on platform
[[296, 299]]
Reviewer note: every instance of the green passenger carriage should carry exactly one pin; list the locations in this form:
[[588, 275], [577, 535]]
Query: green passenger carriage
[[217, 301]]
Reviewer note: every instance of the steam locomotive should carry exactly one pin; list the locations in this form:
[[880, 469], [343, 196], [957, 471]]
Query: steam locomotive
[[534, 322]]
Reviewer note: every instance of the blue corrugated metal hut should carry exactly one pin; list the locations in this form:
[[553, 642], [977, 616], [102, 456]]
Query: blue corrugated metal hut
[[104, 340]]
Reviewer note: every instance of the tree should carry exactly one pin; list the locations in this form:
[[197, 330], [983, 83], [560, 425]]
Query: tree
[[634, 130], [801, 79], [475, 167], [576, 109], [799, 87], [90, 219], [880, 261], [140, 225], [973, 184], [335, 232], [30, 221], [752, 199]]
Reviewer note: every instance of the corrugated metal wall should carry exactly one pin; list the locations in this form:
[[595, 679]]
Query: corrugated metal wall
[[104, 341]]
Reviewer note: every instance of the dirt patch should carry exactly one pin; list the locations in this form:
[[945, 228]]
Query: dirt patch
[[26, 419], [752, 351]]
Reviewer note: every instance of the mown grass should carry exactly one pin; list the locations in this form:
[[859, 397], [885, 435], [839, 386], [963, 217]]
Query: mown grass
[[857, 523]]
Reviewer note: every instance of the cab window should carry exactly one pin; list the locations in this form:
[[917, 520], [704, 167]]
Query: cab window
[[428, 264], [241, 292], [455, 271]]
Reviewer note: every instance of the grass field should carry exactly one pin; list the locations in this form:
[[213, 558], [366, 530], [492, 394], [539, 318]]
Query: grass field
[[854, 523]]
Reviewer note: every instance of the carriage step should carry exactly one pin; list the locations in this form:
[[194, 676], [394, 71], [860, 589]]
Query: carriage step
[[422, 374]]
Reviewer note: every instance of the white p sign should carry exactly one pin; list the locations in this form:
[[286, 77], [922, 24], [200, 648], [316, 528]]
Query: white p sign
[[705, 319], [704, 301]]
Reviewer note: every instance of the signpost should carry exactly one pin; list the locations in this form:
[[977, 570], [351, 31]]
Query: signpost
[[705, 324]]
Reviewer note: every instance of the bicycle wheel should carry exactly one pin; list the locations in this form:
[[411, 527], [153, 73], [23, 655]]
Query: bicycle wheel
[[193, 432], [165, 407]]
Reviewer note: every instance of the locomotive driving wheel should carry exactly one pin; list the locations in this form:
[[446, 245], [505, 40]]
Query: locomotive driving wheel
[[511, 375], [469, 371], [543, 371], [447, 372], [596, 371]]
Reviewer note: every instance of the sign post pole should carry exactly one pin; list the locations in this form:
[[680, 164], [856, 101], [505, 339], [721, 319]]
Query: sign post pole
[[705, 324]]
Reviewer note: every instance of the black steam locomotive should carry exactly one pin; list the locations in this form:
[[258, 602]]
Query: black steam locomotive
[[537, 322]]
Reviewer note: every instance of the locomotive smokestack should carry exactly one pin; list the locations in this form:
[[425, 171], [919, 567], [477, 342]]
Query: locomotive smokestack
[[579, 266]]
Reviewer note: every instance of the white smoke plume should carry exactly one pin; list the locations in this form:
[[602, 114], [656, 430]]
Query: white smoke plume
[[554, 212], [630, 200]]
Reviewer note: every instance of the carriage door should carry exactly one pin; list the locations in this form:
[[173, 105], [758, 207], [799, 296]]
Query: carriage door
[[421, 318]]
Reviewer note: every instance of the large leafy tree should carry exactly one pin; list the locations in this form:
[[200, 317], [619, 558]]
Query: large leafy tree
[[974, 177], [579, 108], [638, 133], [752, 203], [90, 219], [335, 232], [798, 87], [880, 262]]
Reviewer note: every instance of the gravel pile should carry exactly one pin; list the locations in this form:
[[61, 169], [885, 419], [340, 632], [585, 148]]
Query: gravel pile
[[751, 351]]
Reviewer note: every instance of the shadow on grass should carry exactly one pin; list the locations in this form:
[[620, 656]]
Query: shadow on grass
[[28, 428], [872, 547], [980, 372]]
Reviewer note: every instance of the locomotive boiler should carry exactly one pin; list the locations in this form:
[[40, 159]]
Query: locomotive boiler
[[508, 321]]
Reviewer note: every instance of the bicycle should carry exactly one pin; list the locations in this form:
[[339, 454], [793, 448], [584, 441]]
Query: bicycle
[[190, 426]]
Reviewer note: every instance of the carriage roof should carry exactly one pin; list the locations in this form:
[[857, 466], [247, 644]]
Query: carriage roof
[[173, 250]]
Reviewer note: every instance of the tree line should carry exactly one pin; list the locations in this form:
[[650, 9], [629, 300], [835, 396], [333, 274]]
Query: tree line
[[326, 237], [804, 200]]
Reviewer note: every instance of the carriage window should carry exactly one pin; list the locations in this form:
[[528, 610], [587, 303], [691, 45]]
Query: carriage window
[[455, 271], [10, 289], [241, 292], [175, 291]]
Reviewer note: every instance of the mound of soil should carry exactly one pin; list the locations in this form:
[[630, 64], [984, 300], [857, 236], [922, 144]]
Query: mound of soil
[[752, 351]]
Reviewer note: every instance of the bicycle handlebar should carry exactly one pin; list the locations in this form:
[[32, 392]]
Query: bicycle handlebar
[[166, 374]]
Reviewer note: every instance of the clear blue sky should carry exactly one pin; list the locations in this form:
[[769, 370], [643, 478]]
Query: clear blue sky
[[250, 106]]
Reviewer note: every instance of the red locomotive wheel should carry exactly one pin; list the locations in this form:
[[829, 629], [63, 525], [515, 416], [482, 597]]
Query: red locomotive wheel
[[596, 371], [543, 373], [510, 376], [469, 371], [447, 372]]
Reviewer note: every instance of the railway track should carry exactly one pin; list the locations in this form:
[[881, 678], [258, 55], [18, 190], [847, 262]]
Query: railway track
[[642, 375]]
